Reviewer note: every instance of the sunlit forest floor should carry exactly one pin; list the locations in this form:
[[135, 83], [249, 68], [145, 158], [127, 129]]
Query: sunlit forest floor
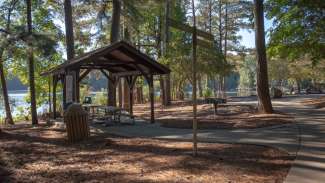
[[316, 102], [42, 154], [239, 116]]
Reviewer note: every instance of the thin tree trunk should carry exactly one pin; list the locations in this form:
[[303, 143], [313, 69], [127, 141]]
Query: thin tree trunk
[[69, 38], [31, 65], [167, 80], [194, 40], [263, 92], [69, 29], [298, 86], [220, 45], [200, 87], [225, 51], [8, 119], [115, 35], [126, 88], [120, 91]]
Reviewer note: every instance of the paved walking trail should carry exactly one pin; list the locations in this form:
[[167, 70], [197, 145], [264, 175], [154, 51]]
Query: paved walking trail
[[304, 139]]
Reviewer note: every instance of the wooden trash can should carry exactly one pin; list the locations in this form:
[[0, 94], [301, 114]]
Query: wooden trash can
[[76, 120]]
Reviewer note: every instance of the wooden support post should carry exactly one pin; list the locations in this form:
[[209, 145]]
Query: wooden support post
[[55, 81], [77, 85], [131, 101], [111, 93], [112, 82], [152, 98], [131, 82], [64, 92]]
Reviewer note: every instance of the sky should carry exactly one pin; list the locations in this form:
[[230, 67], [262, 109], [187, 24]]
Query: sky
[[248, 37]]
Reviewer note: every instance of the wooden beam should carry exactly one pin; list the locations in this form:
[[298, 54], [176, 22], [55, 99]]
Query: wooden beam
[[143, 72], [190, 29], [205, 44], [110, 78], [55, 81], [83, 75], [180, 25], [134, 79], [77, 85], [150, 64], [131, 81], [152, 99], [205, 35], [131, 101], [127, 73]]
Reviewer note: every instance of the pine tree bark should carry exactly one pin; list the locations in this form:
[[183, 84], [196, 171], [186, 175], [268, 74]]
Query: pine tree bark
[[224, 96], [194, 100], [69, 38], [263, 92], [8, 119], [167, 80], [115, 35], [31, 64], [298, 86], [126, 88], [200, 87], [219, 82], [69, 29]]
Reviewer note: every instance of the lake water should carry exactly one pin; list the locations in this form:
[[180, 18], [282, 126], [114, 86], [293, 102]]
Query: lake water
[[17, 100]]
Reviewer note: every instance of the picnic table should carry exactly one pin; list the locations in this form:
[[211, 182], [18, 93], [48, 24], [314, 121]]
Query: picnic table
[[107, 112], [215, 102]]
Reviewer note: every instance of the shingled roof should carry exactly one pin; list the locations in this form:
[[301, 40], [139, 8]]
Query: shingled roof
[[119, 58]]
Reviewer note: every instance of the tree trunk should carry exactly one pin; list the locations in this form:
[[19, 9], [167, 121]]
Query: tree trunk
[[225, 51], [167, 88], [298, 86], [194, 46], [200, 87], [263, 92], [162, 90], [126, 88], [139, 95], [31, 65], [115, 35], [126, 93], [220, 24], [8, 118], [219, 84], [69, 39]]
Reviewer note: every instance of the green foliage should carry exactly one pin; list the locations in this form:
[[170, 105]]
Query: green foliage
[[247, 72], [207, 93], [100, 98], [298, 29]]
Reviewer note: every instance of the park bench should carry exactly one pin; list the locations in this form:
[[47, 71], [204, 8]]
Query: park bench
[[216, 102]]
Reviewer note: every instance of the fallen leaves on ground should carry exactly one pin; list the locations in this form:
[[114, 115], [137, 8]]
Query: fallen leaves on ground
[[41, 154], [316, 102], [180, 115]]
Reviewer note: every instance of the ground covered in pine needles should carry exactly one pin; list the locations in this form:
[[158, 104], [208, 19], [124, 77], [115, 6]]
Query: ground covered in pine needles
[[315, 102], [232, 116], [42, 154]]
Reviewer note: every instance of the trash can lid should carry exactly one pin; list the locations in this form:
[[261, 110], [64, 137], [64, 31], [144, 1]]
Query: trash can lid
[[75, 109]]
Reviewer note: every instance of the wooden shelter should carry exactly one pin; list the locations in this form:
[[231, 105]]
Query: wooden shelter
[[115, 61]]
